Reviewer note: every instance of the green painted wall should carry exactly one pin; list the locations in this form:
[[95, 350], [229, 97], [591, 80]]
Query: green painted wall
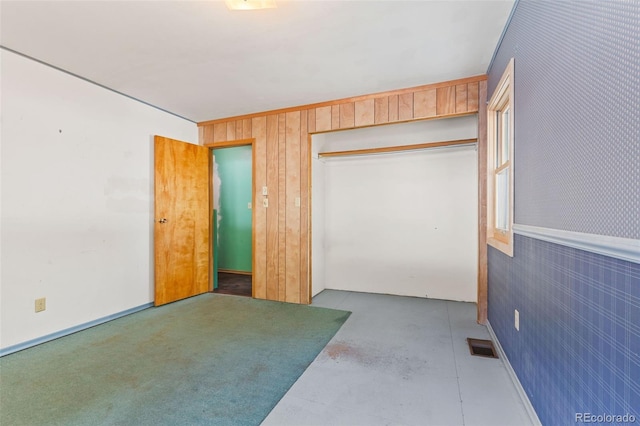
[[233, 166]]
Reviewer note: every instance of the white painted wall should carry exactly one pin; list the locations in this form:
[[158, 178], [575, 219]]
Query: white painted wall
[[318, 205], [77, 199], [403, 223]]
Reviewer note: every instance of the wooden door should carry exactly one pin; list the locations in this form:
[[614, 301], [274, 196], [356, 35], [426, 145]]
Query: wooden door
[[182, 243]]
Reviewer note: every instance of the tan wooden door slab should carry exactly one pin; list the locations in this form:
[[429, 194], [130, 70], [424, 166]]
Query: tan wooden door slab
[[181, 233]]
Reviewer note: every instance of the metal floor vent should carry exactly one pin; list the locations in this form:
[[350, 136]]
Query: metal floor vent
[[481, 347]]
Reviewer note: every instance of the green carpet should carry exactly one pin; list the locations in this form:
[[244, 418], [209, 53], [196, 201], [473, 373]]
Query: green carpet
[[212, 359]]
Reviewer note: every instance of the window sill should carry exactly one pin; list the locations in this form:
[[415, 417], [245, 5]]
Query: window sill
[[505, 247]]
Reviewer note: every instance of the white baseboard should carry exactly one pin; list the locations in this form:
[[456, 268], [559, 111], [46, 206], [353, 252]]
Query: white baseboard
[[514, 378]]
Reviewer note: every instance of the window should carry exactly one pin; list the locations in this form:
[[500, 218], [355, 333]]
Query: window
[[500, 164]]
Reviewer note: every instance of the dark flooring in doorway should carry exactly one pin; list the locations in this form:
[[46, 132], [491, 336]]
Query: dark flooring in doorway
[[236, 284]]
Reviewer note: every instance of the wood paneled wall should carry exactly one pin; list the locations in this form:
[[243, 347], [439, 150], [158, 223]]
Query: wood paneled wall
[[282, 246]]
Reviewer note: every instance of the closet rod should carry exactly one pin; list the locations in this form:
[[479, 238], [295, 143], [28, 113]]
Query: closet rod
[[396, 148]]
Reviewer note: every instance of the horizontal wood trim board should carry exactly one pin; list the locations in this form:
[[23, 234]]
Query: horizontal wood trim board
[[399, 148], [228, 144], [233, 271], [620, 248], [348, 100], [395, 121]]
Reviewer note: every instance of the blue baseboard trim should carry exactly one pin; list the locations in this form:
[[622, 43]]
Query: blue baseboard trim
[[514, 378], [619, 248], [71, 330]]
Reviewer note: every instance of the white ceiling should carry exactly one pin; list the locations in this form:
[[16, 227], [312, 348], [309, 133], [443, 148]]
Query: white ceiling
[[201, 61]]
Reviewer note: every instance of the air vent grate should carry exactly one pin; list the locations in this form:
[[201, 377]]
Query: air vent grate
[[481, 347]]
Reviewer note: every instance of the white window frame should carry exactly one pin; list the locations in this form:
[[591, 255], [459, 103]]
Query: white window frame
[[502, 100]]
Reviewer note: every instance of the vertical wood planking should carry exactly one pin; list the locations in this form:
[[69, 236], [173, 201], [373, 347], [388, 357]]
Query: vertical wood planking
[[347, 117], [424, 103], [282, 206], [405, 106], [311, 120], [304, 209], [472, 97], [393, 108], [220, 132], [292, 191], [231, 131], [335, 117], [446, 100], [246, 127], [282, 231], [364, 113], [323, 119], [259, 279], [461, 98], [207, 134], [272, 211], [482, 203], [381, 110]]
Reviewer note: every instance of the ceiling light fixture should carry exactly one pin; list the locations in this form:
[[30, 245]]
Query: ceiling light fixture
[[250, 4]]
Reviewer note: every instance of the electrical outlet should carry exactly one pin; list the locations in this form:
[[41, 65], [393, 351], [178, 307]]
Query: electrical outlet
[[41, 304], [265, 190], [265, 202], [249, 206], [516, 320]]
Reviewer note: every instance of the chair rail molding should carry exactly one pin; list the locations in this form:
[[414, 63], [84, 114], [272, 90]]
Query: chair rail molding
[[620, 248]]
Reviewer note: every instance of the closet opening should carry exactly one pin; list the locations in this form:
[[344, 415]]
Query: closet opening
[[394, 209]]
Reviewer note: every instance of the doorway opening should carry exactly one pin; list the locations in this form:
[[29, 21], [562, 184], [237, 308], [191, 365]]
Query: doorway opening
[[232, 220]]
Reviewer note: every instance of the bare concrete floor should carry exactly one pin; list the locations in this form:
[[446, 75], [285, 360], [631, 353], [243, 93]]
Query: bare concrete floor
[[401, 361]]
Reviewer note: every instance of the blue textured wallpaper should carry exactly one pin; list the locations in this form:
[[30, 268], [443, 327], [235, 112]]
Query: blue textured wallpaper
[[577, 112], [578, 348], [577, 168]]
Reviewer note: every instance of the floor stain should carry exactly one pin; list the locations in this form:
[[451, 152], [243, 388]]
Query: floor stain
[[342, 350]]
